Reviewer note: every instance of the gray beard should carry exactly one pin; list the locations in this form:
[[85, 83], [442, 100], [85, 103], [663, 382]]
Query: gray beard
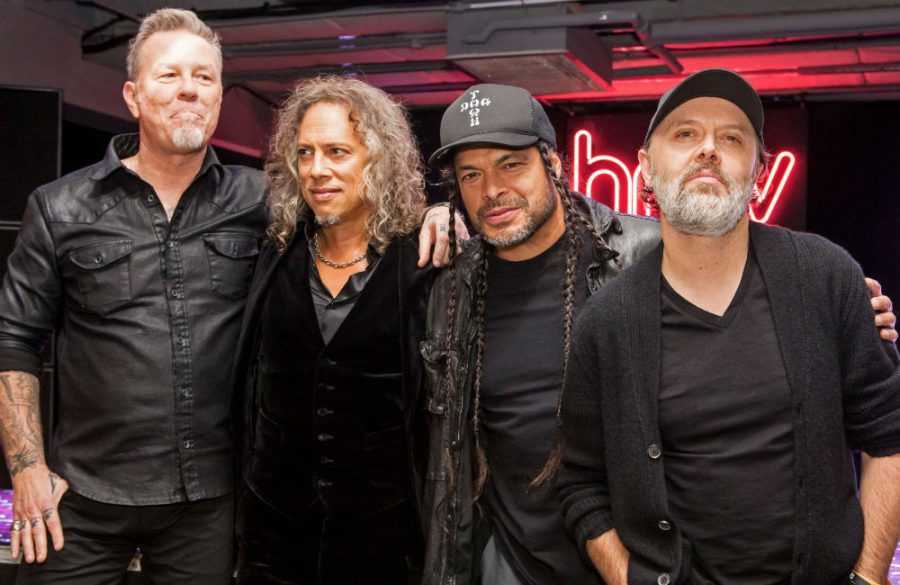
[[327, 220], [696, 209], [189, 138], [532, 223]]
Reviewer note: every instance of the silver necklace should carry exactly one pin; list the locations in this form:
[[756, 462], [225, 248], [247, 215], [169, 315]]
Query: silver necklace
[[319, 255]]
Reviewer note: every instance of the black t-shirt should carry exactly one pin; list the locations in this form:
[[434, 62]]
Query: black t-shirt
[[725, 424], [522, 374]]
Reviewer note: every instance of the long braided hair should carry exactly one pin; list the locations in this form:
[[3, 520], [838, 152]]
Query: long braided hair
[[576, 223]]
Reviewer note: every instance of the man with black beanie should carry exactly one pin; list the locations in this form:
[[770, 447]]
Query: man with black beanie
[[716, 390]]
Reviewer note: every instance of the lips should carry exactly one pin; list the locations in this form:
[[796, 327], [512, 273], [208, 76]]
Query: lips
[[323, 194], [500, 215]]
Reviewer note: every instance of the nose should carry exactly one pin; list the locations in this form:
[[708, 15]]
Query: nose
[[708, 149], [318, 167], [493, 186], [187, 90]]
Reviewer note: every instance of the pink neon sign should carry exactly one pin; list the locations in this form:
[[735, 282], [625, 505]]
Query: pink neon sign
[[588, 168]]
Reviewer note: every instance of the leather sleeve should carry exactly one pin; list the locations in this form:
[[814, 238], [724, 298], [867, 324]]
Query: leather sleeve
[[31, 295]]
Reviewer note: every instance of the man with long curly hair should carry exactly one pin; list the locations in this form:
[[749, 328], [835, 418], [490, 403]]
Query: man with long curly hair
[[333, 458]]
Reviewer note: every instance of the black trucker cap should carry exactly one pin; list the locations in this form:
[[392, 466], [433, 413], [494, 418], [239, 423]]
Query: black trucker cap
[[720, 83], [493, 114]]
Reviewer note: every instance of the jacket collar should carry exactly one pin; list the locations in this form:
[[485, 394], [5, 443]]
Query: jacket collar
[[126, 145]]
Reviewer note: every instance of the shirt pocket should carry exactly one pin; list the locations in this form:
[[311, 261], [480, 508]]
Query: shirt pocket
[[102, 272], [232, 257]]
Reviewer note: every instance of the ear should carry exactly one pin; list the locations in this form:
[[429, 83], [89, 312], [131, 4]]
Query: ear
[[129, 93], [644, 159], [557, 163]]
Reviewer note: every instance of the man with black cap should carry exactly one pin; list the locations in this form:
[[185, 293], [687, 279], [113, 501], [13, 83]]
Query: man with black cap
[[497, 338], [715, 391]]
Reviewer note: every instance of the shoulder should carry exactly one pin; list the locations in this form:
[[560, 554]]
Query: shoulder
[[236, 188], [812, 251]]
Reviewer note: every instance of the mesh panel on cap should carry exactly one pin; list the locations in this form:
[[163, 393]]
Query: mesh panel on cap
[[541, 124]]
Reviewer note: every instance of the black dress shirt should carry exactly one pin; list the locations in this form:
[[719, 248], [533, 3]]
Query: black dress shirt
[[148, 312]]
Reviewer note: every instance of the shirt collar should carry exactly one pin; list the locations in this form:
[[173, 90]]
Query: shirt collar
[[126, 145]]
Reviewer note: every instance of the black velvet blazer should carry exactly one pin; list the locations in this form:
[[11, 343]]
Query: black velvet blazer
[[400, 257]]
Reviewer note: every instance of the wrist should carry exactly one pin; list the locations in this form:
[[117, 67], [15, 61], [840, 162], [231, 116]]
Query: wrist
[[857, 578]]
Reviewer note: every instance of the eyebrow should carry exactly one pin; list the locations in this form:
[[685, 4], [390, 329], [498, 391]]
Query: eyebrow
[[696, 122]]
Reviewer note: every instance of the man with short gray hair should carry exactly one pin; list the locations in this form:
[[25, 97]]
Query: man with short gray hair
[[141, 263]]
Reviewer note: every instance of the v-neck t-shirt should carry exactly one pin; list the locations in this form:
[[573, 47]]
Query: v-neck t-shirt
[[727, 436]]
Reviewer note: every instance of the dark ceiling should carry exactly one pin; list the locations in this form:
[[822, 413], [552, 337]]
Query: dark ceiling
[[427, 52]]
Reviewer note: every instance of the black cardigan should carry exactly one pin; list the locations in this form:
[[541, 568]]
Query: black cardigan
[[845, 388]]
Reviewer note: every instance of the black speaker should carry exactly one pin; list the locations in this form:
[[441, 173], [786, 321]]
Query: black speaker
[[30, 142]]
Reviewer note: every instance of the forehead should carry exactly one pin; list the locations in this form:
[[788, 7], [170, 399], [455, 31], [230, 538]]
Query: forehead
[[707, 111], [327, 120], [486, 153], [178, 48]]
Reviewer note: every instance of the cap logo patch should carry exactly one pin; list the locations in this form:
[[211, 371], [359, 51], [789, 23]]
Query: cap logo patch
[[473, 107]]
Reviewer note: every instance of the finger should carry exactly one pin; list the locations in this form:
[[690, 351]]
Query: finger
[[874, 286], [39, 535], [15, 537], [462, 232], [27, 543], [889, 335], [426, 234], [441, 247], [881, 303], [886, 320], [54, 526]]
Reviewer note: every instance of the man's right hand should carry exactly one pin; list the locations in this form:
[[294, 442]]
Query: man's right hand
[[36, 495]]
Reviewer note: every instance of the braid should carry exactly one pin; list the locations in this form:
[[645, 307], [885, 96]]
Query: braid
[[577, 223], [481, 470], [447, 384]]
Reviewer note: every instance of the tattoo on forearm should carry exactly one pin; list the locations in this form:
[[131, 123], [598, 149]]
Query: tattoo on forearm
[[20, 421], [21, 460]]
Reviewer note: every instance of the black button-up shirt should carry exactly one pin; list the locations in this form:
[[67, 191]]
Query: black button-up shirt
[[148, 311]]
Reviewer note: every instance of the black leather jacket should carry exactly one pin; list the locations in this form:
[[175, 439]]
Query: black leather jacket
[[148, 313], [455, 534]]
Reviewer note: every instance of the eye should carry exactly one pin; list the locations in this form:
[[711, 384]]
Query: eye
[[684, 134], [732, 139], [512, 165], [303, 151], [338, 151], [466, 177]]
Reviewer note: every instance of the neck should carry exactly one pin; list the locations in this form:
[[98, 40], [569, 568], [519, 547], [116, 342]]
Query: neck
[[703, 269], [344, 240], [168, 174], [540, 241]]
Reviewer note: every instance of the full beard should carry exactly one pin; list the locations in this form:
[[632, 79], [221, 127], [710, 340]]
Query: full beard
[[696, 209], [534, 220]]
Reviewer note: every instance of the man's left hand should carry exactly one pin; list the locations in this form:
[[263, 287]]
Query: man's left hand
[[435, 234], [885, 319]]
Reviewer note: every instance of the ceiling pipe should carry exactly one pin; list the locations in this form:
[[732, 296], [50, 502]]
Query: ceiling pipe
[[336, 44]]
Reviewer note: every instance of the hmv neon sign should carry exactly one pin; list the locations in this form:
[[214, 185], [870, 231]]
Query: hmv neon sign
[[589, 168]]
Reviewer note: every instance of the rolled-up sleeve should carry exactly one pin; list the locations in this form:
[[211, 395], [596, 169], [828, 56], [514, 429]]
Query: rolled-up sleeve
[[31, 293]]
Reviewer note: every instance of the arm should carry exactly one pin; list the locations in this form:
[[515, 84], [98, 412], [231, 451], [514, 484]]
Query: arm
[[36, 489], [29, 307], [885, 319], [582, 478], [610, 557], [880, 500], [435, 232]]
